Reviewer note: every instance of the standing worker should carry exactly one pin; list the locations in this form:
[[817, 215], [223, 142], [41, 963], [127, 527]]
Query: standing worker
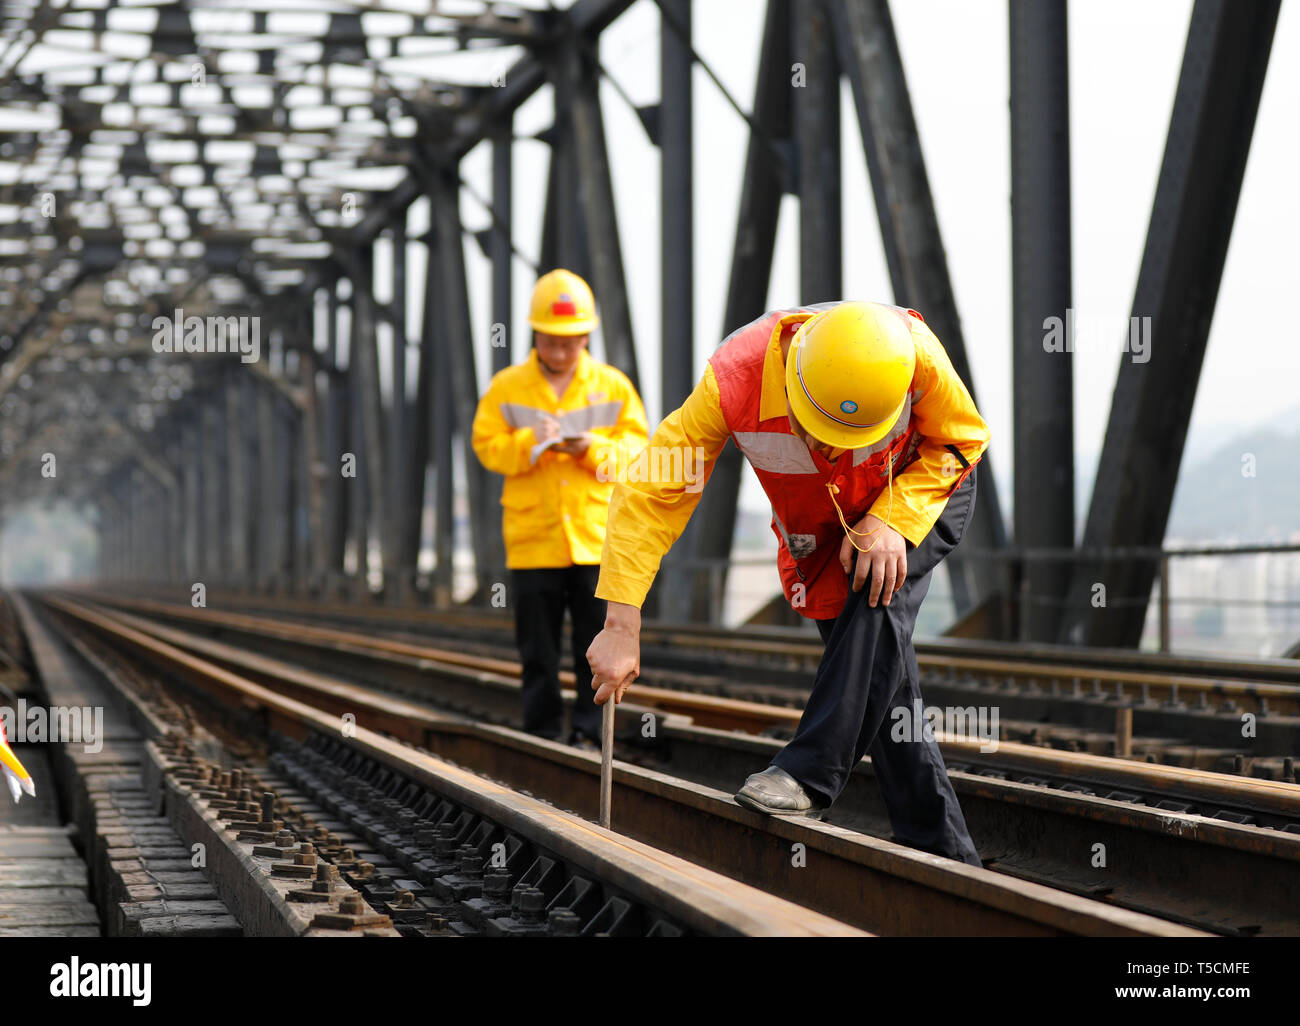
[[864, 439], [552, 425]]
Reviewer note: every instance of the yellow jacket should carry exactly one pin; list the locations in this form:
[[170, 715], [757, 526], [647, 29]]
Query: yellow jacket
[[554, 504], [647, 516]]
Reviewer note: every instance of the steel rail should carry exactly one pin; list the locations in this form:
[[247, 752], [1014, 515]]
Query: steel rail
[[870, 883], [1178, 838], [797, 645], [752, 717], [696, 896]]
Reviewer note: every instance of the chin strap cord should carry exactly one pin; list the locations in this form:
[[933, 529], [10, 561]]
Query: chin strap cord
[[889, 510]]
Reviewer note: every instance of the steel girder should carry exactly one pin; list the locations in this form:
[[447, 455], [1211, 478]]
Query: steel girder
[[1042, 381]]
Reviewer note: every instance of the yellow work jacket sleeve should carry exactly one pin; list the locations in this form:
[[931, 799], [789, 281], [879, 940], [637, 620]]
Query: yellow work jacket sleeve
[[943, 415], [501, 448], [657, 494]]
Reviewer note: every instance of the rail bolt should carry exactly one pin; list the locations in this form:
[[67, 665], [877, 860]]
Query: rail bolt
[[532, 905], [564, 922], [496, 886]]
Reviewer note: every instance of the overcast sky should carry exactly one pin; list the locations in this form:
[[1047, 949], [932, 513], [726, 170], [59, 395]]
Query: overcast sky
[[1124, 63]]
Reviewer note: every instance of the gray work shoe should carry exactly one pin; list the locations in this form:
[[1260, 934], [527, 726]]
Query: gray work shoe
[[777, 793]]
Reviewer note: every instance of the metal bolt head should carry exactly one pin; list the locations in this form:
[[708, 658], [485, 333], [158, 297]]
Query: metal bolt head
[[532, 905], [471, 864], [564, 922]]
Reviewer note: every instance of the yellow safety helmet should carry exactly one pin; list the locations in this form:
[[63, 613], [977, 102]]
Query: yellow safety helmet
[[848, 372], [562, 305]]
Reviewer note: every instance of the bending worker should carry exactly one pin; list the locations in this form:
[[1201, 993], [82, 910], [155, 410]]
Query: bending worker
[[551, 425], [864, 439]]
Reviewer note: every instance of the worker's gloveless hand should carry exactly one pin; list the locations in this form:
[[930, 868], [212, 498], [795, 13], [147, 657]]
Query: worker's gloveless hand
[[615, 658], [886, 562], [578, 446], [546, 429]]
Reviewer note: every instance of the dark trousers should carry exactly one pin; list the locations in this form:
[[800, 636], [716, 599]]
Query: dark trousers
[[868, 670], [540, 598]]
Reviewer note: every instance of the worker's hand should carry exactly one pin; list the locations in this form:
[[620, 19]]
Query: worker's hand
[[546, 429], [886, 562], [615, 654], [578, 446]]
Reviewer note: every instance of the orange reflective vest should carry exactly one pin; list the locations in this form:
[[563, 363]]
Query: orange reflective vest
[[795, 479]]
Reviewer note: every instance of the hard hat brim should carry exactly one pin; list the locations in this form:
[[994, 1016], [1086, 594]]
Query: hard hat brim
[[811, 419], [565, 329]]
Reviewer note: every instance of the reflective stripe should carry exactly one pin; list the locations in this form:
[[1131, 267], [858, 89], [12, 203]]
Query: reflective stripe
[[900, 426], [597, 415], [572, 422], [776, 452], [517, 415], [800, 546]]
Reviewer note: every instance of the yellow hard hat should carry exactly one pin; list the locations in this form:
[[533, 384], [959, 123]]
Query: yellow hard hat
[[848, 373], [562, 305]]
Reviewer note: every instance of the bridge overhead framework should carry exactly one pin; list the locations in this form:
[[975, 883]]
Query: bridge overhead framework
[[171, 173]]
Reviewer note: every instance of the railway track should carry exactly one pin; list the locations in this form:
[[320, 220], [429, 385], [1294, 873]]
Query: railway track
[[310, 831], [1206, 849], [398, 747], [1231, 716]]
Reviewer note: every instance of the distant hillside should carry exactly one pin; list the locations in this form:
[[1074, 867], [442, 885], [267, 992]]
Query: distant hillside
[[1214, 501], [1218, 500]]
